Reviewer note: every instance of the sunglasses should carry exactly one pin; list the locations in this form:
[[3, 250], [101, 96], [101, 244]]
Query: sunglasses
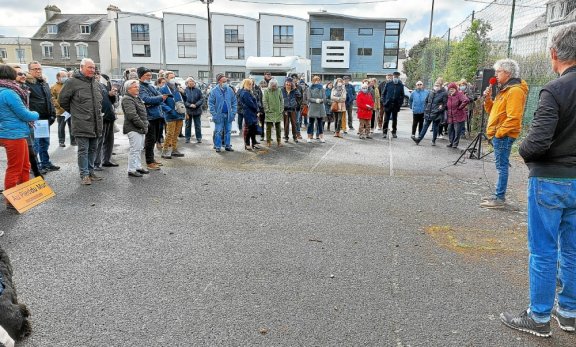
[[21, 74]]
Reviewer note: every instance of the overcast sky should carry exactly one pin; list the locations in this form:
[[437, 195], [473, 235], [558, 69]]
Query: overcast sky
[[22, 18]]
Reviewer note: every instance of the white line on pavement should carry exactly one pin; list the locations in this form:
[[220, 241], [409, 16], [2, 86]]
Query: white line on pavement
[[323, 157]]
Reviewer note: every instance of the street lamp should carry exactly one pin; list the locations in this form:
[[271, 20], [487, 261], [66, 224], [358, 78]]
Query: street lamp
[[211, 67], [431, 20]]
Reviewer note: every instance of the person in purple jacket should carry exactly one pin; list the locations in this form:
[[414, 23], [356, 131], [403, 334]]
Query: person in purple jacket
[[457, 114]]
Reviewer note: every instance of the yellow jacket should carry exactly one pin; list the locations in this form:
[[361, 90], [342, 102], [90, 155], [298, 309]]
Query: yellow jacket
[[506, 110]]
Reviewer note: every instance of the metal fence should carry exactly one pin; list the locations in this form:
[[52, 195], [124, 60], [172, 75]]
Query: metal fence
[[519, 30]]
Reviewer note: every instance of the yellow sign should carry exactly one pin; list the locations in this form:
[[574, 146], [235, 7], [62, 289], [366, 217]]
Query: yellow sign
[[29, 194]]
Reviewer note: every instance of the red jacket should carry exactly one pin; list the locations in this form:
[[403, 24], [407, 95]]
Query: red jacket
[[363, 100], [456, 107]]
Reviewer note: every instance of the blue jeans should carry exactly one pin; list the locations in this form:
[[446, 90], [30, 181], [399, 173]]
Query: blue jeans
[[86, 154], [552, 225], [299, 120], [319, 127], [502, 149], [222, 128], [41, 147], [197, 127], [427, 123]]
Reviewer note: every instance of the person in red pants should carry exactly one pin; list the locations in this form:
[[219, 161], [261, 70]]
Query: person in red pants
[[14, 128]]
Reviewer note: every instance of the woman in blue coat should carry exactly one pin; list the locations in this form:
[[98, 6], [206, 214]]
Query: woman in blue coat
[[250, 109], [14, 128]]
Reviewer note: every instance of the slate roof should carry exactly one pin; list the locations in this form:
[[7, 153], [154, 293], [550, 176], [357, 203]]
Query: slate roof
[[537, 25], [69, 27]]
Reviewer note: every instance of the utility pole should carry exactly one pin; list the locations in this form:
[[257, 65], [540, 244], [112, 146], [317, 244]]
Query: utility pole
[[211, 67], [431, 20], [511, 27]]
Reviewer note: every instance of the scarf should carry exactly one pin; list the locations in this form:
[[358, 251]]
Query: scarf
[[15, 87]]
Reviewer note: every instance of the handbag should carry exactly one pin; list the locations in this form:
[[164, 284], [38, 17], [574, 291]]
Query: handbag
[[304, 111], [179, 107], [334, 107]]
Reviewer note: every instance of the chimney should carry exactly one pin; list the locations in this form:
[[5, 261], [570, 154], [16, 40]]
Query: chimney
[[51, 10], [112, 12]]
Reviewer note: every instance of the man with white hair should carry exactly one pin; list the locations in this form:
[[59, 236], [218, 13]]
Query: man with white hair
[[82, 98], [504, 123], [549, 151]]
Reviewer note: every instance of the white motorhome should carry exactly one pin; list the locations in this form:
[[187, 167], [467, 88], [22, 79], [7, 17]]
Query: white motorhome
[[279, 67]]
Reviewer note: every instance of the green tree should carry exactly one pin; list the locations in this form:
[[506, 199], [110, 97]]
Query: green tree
[[466, 56], [426, 61]]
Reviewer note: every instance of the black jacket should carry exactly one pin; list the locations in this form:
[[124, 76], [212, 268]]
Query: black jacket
[[107, 104], [392, 96], [549, 150], [193, 96], [432, 110], [40, 98]]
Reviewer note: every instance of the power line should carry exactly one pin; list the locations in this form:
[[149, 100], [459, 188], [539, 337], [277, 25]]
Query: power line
[[495, 2], [315, 4]]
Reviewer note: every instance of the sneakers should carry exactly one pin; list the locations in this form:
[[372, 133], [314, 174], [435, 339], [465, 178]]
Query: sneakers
[[153, 166], [86, 181], [394, 136], [143, 171], [416, 139], [525, 323], [228, 149], [384, 136], [93, 177], [433, 143], [493, 203], [134, 174], [308, 140], [440, 136], [566, 324]]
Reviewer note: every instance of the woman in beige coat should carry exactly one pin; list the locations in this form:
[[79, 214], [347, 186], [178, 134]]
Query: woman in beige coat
[[338, 98]]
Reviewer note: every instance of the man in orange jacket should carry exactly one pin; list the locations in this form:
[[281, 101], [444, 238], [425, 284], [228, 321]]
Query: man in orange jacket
[[504, 123]]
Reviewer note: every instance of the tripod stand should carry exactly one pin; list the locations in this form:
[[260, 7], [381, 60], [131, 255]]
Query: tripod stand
[[475, 147]]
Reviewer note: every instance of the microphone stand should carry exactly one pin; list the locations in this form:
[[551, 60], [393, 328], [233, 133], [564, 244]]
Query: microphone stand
[[475, 147]]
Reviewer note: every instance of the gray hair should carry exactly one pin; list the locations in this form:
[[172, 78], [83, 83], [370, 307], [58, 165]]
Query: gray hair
[[86, 60], [129, 83], [190, 78], [273, 82], [564, 43], [508, 65]]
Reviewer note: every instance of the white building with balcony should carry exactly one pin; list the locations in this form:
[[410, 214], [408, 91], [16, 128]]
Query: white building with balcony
[[234, 38], [282, 36], [140, 41], [186, 43]]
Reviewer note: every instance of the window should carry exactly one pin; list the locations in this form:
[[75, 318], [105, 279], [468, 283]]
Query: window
[[283, 51], [234, 33], [390, 52], [316, 31], [315, 51], [364, 51], [65, 50], [186, 51], [20, 54], [203, 74], [390, 62], [141, 51], [84, 29], [234, 52], [336, 34], [392, 32], [365, 32], [81, 50], [235, 75], [3, 53], [47, 50], [52, 29], [392, 25], [186, 32], [140, 32], [283, 34], [391, 41]]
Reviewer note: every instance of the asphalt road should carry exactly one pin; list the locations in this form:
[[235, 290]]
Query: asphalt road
[[348, 243]]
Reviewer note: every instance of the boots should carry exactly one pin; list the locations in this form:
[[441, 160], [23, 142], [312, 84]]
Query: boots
[[167, 153]]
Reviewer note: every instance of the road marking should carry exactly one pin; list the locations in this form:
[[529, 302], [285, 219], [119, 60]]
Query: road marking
[[390, 155], [323, 157]]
